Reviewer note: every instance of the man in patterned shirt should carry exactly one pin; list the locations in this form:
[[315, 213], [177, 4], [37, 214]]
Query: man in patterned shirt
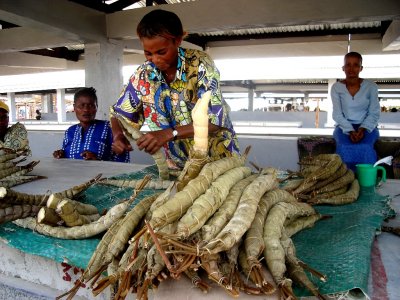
[[164, 90]]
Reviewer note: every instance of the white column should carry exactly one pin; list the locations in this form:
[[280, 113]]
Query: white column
[[329, 119], [306, 99], [251, 100], [47, 105], [103, 71], [13, 108], [61, 111]]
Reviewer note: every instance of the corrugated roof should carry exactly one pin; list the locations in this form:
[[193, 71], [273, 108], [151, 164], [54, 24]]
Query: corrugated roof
[[254, 32], [295, 28], [142, 3]]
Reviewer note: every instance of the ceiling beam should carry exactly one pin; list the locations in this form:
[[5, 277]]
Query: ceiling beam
[[391, 38], [205, 16], [58, 52], [296, 47], [60, 17], [95, 4], [25, 60], [159, 2], [25, 38]]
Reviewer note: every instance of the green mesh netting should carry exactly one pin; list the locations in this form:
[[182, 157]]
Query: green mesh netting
[[340, 247], [75, 252]]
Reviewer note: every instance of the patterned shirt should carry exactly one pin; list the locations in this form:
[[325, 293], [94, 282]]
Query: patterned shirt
[[97, 139], [16, 138], [363, 109], [149, 99]]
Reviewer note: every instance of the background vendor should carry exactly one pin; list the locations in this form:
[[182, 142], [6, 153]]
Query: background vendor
[[356, 111], [14, 137], [91, 139]]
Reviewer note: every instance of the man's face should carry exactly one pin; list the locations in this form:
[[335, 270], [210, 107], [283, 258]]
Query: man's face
[[85, 109]]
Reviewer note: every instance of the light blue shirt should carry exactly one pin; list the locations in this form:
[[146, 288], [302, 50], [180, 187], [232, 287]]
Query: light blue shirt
[[363, 108]]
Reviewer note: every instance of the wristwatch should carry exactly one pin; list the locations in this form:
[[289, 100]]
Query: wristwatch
[[175, 134]]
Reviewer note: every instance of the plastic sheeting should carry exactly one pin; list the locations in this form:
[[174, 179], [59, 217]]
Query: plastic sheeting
[[340, 247]]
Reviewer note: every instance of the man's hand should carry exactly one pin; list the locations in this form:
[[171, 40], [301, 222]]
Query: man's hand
[[121, 144], [87, 155], [58, 154]]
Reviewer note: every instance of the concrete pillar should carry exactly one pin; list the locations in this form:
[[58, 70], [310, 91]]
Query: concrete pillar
[[47, 104], [103, 71], [329, 119], [306, 99], [13, 108], [61, 110], [251, 99]]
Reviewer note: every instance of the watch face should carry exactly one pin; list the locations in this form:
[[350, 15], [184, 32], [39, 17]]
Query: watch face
[[175, 133]]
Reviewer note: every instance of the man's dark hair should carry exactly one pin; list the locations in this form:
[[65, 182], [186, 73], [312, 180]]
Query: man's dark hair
[[354, 54], [88, 92], [160, 22]]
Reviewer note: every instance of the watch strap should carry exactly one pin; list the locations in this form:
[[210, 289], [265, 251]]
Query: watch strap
[[174, 133]]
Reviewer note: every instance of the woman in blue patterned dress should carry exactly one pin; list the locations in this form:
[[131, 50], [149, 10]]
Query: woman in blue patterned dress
[[91, 139], [164, 90]]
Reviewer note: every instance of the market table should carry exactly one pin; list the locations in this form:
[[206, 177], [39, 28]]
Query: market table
[[41, 275], [48, 277]]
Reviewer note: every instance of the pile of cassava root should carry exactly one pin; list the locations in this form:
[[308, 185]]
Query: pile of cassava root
[[52, 209], [227, 223], [324, 179], [10, 173], [219, 220]]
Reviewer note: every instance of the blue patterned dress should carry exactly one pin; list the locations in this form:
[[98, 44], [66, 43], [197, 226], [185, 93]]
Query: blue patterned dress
[[97, 139]]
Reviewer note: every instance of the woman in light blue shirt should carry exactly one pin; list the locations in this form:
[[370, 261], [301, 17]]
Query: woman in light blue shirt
[[356, 111]]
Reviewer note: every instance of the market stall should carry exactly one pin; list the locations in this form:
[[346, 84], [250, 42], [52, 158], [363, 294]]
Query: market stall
[[339, 247]]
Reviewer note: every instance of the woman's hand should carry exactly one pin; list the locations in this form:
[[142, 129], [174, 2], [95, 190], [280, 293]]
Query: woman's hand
[[357, 136], [152, 141], [87, 155], [121, 144], [58, 154]]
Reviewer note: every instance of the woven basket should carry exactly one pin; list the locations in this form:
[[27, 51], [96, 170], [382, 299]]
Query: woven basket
[[312, 146]]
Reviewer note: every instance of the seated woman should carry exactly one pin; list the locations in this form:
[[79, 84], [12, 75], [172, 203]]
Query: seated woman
[[14, 137], [356, 111], [91, 139]]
